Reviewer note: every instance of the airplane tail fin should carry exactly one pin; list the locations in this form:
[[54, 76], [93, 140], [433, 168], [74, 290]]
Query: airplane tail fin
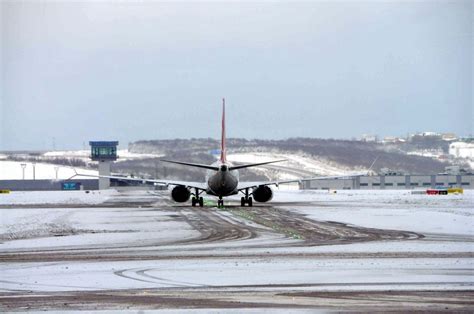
[[223, 158], [223, 149]]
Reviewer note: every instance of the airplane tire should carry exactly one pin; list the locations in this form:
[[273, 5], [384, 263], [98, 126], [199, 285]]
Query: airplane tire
[[250, 202], [242, 201], [201, 202], [193, 201]]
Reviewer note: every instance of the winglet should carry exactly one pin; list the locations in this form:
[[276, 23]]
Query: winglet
[[223, 150]]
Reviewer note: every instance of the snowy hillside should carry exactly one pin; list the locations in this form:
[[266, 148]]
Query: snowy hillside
[[341, 155], [294, 167]]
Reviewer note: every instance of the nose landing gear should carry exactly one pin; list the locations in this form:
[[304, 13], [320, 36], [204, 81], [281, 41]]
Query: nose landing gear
[[220, 202]]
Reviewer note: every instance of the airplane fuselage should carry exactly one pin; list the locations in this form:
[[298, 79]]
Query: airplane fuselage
[[223, 182]]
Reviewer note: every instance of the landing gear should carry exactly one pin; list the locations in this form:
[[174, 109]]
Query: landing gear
[[220, 203], [197, 199], [246, 199]]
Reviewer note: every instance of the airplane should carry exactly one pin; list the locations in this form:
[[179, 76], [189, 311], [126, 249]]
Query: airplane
[[222, 179]]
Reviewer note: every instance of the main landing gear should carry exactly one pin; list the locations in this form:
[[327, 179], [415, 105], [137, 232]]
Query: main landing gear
[[220, 202], [246, 199], [197, 199]]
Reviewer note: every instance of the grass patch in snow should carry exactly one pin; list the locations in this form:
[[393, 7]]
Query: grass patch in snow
[[288, 231]]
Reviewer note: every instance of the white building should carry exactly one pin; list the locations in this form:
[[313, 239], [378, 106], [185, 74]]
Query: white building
[[369, 138], [393, 139], [449, 136], [462, 149], [429, 134]]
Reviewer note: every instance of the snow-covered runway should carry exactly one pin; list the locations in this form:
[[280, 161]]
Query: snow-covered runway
[[351, 250]]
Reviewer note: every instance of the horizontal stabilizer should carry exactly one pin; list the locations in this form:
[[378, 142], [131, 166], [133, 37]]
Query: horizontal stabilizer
[[255, 165], [192, 164]]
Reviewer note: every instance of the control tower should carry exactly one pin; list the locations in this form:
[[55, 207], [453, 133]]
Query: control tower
[[104, 152]]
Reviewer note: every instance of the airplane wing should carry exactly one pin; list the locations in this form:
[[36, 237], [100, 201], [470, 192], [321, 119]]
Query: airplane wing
[[191, 164], [255, 165], [215, 168], [249, 185], [194, 185]]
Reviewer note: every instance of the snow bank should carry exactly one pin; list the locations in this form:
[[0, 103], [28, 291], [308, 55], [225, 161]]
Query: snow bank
[[56, 197], [12, 170]]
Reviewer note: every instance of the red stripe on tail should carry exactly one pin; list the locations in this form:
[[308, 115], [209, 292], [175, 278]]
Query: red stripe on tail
[[223, 151]]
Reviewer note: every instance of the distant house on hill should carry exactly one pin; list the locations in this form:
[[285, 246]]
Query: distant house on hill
[[449, 137], [369, 138], [462, 149]]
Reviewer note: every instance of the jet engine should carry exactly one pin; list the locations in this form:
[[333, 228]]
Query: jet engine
[[262, 194], [180, 194]]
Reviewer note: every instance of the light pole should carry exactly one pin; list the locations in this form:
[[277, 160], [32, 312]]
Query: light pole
[[23, 166], [56, 169], [34, 171]]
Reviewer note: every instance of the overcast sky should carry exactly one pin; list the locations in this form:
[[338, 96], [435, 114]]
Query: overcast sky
[[149, 70]]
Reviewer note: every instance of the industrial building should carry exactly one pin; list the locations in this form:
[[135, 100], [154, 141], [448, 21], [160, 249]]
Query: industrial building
[[390, 182]]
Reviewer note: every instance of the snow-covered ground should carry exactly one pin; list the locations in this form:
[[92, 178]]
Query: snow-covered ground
[[56, 197], [87, 227], [12, 170], [393, 209], [169, 246], [326, 275]]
